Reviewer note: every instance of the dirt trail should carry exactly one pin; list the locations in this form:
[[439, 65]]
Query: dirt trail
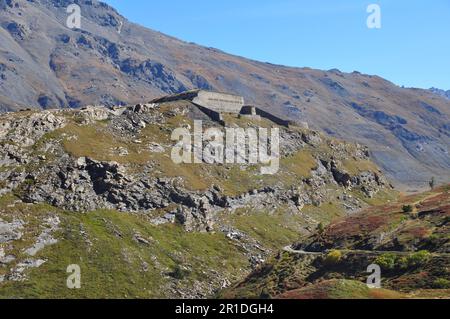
[[424, 199], [378, 252]]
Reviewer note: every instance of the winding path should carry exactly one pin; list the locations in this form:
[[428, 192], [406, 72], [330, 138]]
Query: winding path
[[289, 249], [300, 252]]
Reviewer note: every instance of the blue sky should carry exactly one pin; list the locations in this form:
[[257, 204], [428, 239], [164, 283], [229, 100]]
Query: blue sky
[[412, 48]]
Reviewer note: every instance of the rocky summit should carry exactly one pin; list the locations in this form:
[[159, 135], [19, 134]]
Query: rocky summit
[[97, 187], [112, 61]]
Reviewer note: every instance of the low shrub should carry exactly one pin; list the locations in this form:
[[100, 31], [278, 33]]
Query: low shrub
[[441, 283], [333, 257], [402, 262], [320, 228], [386, 261], [408, 209], [419, 258], [390, 261], [179, 273]]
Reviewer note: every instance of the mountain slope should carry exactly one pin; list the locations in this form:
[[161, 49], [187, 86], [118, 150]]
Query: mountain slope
[[112, 61], [411, 248], [441, 92], [97, 187]]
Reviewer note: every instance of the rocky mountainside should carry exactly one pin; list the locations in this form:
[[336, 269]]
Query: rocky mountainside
[[111, 61], [441, 92], [408, 240], [97, 187]]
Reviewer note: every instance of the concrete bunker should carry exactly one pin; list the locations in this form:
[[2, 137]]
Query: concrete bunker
[[214, 101], [214, 104]]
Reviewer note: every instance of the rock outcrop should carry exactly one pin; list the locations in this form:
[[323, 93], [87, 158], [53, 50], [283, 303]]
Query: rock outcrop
[[103, 177], [86, 184]]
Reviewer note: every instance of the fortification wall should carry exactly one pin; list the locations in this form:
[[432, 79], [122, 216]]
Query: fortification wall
[[220, 102], [188, 96], [214, 104], [217, 102], [255, 111], [213, 115]]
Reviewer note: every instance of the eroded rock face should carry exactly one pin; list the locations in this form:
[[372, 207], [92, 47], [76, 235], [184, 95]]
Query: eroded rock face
[[370, 182], [10, 231], [26, 129], [92, 114], [196, 219], [13, 232], [86, 184]]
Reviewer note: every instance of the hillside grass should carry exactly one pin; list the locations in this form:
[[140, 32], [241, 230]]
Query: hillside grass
[[342, 289], [111, 261], [273, 230]]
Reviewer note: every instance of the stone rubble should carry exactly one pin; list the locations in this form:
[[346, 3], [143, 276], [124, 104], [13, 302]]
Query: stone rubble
[[10, 231], [45, 238]]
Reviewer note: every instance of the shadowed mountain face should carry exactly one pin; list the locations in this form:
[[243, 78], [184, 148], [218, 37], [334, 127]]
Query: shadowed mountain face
[[112, 61]]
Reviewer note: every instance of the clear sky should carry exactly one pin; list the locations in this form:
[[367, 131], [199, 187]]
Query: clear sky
[[412, 48]]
